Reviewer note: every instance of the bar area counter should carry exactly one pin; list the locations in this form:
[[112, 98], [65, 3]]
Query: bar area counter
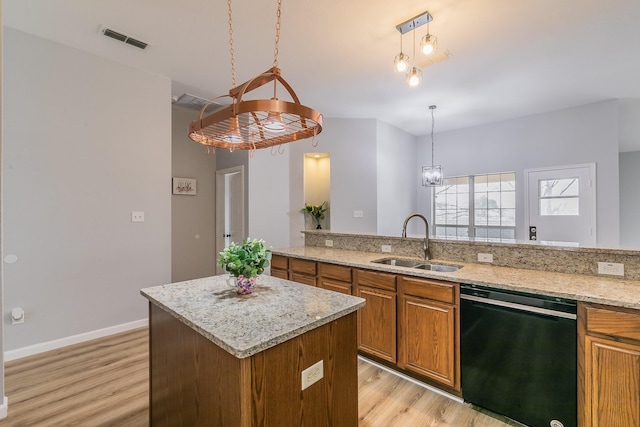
[[222, 359]]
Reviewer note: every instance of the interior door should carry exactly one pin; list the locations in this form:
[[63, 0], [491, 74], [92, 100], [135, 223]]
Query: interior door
[[561, 204], [230, 209]]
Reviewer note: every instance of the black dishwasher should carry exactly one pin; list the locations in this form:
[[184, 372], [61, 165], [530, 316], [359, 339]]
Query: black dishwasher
[[518, 355]]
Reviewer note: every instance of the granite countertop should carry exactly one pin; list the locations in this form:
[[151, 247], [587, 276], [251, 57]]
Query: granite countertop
[[244, 325], [603, 290]]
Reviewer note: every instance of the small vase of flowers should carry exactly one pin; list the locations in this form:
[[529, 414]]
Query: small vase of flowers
[[244, 263], [316, 211]]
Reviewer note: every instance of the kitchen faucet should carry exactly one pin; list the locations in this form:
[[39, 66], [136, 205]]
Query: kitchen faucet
[[425, 245]]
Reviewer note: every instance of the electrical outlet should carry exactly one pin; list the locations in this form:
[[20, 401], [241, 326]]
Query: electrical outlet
[[312, 374], [328, 243], [137, 216], [386, 248], [485, 257], [611, 268]]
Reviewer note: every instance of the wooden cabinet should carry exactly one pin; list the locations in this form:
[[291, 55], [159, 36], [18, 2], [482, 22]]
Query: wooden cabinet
[[428, 329], [608, 366], [377, 319], [302, 271], [335, 278], [294, 269], [280, 266]]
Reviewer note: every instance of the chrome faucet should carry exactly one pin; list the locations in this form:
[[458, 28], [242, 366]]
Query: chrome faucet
[[425, 244]]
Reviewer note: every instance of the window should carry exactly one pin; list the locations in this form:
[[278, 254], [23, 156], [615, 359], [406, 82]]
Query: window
[[476, 206], [559, 196]]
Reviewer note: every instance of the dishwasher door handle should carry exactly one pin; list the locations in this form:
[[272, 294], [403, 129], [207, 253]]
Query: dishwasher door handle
[[520, 307]]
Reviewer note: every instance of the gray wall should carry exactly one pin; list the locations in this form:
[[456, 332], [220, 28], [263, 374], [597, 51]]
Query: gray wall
[[192, 217], [396, 179], [629, 199], [86, 142], [577, 135], [2, 396]]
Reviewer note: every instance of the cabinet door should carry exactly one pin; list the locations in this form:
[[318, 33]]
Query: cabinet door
[[303, 278], [377, 323], [335, 285], [428, 339], [281, 274], [612, 383]]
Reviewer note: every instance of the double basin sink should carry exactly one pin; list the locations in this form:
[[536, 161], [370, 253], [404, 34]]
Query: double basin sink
[[423, 265]]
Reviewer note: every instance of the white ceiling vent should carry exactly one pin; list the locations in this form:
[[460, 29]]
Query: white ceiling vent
[[123, 38], [195, 102]]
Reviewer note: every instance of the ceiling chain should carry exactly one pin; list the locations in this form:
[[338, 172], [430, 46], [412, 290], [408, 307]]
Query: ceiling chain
[[275, 50], [231, 51]]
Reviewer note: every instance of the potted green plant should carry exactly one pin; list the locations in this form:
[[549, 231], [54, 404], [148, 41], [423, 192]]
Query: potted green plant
[[316, 211], [245, 262]]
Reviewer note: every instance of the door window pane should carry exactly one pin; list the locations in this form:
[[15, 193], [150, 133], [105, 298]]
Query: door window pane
[[559, 187], [560, 206]]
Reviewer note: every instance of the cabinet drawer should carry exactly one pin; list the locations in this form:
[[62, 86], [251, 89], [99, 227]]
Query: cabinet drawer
[[279, 261], [302, 266], [281, 274], [303, 278], [376, 280], [436, 290], [622, 324], [332, 271], [334, 285]]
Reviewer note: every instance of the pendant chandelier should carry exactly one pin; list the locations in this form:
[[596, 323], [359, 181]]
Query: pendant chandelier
[[432, 176], [258, 123]]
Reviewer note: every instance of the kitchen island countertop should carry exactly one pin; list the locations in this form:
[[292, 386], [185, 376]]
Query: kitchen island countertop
[[596, 289], [244, 325]]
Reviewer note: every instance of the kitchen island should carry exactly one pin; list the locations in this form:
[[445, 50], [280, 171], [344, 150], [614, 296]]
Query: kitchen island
[[284, 355]]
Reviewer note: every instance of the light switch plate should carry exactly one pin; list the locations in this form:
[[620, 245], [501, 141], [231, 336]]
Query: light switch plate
[[328, 243], [386, 248], [358, 214], [312, 374]]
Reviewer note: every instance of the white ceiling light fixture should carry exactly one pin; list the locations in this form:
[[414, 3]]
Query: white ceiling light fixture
[[432, 176], [427, 44], [401, 61], [256, 123]]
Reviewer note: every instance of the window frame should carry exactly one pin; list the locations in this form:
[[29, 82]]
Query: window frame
[[472, 227]]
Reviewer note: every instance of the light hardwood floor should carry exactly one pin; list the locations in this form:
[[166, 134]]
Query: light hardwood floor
[[104, 382]]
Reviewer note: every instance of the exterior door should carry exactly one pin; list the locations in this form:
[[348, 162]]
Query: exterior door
[[230, 209], [561, 204]]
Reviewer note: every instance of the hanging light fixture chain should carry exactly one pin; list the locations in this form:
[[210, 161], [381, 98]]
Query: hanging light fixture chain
[[231, 51], [432, 107], [275, 50]]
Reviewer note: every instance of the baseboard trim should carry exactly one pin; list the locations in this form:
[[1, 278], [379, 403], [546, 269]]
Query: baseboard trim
[[413, 380], [30, 350], [4, 407]]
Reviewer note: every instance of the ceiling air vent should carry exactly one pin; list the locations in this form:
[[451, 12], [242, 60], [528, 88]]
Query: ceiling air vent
[[195, 102], [123, 38]]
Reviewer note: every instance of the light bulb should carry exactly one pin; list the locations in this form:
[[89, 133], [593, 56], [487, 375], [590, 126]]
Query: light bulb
[[414, 78], [401, 63], [274, 123], [428, 44], [233, 131]]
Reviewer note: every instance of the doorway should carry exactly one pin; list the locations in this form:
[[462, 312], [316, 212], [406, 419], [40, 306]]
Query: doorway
[[561, 204], [230, 209]]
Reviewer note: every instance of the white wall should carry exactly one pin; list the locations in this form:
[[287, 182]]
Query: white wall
[[577, 135], [396, 180], [629, 200], [86, 142], [269, 209], [351, 144], [192, 217]]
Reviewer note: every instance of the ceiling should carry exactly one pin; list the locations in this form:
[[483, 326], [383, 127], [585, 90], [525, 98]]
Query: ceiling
[[509, 58]]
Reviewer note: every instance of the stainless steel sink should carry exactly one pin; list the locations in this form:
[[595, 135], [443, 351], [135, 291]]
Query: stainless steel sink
[[438, 267], [401, 262]]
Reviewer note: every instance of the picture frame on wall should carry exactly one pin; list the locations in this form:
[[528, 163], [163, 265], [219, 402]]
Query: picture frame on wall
[[184, 186]]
